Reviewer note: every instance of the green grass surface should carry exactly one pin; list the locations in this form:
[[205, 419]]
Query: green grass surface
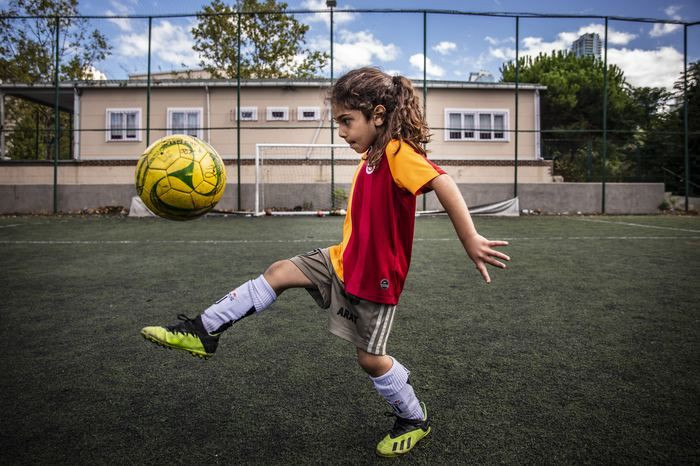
[[586, 350]]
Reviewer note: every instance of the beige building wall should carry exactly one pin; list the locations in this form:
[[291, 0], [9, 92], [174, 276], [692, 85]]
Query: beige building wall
[[81, 174], [482, 99], [218, 105]]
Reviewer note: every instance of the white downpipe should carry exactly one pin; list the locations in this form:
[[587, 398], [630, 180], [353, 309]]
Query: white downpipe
[[318, 130]]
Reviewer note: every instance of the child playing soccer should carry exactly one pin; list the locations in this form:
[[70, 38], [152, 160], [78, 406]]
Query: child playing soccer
[[360, 279]]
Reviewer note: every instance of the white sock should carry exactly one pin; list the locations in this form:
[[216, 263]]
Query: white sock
[[396, 390], [251, 297]]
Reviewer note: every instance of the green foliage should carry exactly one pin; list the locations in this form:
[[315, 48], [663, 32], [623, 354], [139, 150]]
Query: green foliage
[[272, 44], [27, 55], [574, 95], [340, 196], [27, 45], [644, 136]]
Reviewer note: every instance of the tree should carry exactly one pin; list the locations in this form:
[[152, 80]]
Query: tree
[[272, 43], [664, 142], [27, 55], [573, 103]]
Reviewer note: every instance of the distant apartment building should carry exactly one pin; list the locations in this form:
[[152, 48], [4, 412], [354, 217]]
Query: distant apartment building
[[587, 45]]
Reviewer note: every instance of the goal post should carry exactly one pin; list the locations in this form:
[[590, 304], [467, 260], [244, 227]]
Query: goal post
[[302, 178]]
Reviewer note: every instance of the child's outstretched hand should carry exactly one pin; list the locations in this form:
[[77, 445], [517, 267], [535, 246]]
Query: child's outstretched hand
[[480, 250]]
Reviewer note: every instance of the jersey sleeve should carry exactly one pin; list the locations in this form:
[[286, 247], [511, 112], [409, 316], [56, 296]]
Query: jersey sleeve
[[411, 170]]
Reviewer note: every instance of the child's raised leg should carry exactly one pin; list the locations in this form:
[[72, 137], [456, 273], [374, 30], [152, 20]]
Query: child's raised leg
[[253, 296], [391, 379], [200, 336]]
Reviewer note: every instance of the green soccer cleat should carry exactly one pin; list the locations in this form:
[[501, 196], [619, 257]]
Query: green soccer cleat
[[189, 335], [404, 435]]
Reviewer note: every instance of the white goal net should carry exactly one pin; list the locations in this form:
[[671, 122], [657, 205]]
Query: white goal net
[[310, 179], [303, 178]]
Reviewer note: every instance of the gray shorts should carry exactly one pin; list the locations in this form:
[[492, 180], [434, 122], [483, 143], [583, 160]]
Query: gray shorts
[[364, 323]]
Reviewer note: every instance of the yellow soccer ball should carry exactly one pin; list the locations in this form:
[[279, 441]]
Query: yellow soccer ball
[[180, 177]]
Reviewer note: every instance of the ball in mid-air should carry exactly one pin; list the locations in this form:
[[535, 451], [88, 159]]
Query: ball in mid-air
[[180, 177]]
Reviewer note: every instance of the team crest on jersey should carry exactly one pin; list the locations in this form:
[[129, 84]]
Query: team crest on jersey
[[384, 284], [369, 169]]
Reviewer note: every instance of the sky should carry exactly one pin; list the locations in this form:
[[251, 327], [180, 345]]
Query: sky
[[648, 54]]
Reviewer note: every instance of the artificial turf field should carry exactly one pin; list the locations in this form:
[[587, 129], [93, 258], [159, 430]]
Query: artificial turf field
[[586, 350]]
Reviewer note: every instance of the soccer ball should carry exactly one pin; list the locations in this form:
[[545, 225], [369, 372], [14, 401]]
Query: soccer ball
[[180, 177]]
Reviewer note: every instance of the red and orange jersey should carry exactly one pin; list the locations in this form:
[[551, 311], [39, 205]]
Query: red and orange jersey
[[375, 254]]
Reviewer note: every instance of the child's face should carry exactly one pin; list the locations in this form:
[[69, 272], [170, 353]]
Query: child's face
[[356, 129]]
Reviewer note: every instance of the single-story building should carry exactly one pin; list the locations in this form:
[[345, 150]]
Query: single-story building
[[473, 138]]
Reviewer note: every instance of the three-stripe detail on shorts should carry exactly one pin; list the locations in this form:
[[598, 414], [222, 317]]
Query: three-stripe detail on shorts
[[382, 328]]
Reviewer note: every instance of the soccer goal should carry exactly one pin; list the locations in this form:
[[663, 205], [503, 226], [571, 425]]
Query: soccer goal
[[303, 179], [315, 179]]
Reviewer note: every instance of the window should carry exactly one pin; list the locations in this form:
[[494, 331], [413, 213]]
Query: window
[[185, 121], [247, 114], [277, 113], [309, 113], [476, 125], [123, 124]]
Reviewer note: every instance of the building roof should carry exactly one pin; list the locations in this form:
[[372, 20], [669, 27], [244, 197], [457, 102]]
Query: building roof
[[45, 93]]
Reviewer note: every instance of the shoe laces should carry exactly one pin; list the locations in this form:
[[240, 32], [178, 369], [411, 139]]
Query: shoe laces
[[184, 327]]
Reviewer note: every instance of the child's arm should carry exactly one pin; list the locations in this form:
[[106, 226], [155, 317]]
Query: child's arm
[[478, 248]]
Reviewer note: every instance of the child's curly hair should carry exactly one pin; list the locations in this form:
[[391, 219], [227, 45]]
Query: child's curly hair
[[365, 88]]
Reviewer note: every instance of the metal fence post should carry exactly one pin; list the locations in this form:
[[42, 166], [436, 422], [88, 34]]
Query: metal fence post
[[605, 115], [425, 76], [685, 114], [57, 123], [238, 110], [517, 98], [148, 86], [330, 5]]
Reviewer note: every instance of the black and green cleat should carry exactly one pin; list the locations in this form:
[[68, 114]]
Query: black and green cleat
[[404, 435], [188, 335]]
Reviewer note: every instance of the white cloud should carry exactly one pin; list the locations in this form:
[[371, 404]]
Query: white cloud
[[339, 17], [433, 70], [536, 45], [355, 49], [496, 41], [671, 11], [445, 47], [170, 42], [662, 29], [120, 9], [653, 68], [502, 53]]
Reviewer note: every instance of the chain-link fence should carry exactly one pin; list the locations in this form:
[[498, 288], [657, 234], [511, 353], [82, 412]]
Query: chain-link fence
[[57, 111]]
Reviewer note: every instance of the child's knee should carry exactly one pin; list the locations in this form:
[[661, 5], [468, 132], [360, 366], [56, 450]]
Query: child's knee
[[275, 269], [375, 365]]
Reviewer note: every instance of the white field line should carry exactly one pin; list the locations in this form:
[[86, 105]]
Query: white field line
[[334, 241], [10, 226], [635, 225]]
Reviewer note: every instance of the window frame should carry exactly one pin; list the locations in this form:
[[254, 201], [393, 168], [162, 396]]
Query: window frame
[[254, 110], [316, 110], [124, 111], [476, 113], [186, 110], [284, 110]]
